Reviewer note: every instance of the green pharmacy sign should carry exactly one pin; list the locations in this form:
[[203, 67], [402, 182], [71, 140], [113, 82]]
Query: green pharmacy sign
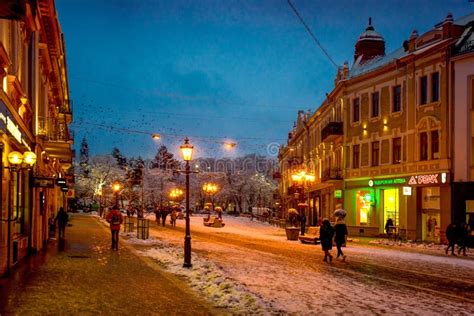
[[392, 181], [338, 194]]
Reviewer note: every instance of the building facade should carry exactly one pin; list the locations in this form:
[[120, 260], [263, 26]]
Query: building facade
[[35, 112], [389, 129]]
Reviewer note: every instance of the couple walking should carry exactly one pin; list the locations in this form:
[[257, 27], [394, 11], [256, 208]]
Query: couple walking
[[327, 233]]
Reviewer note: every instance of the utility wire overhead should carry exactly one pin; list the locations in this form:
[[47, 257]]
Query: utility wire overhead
[[311, 33]]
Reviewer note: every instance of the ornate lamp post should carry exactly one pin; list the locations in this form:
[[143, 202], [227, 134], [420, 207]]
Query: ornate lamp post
[[210, 189], [116, 187], [187, 151], [303, 178], [176, 195]]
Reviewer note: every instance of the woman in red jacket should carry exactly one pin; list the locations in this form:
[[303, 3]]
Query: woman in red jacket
[[115, 218]]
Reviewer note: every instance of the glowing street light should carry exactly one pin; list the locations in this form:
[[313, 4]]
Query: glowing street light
[[187, 151], [229, 145], [116, 187], [156, 136]]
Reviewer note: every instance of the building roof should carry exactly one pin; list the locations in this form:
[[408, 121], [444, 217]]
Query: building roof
[[380, 61]]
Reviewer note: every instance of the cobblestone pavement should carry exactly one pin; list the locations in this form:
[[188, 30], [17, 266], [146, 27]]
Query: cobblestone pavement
[[83, 276]]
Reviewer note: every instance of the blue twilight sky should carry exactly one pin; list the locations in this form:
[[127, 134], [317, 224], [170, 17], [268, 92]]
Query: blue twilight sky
[[215, 70]]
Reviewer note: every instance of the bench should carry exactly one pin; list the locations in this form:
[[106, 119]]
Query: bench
[[311, 236], [213, 222]]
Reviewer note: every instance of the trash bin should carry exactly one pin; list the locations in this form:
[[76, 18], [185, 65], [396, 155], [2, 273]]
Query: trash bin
[[128, 224], [143, 228]]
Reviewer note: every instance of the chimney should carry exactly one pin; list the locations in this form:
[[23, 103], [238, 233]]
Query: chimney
[[412, 41], [447, 26]]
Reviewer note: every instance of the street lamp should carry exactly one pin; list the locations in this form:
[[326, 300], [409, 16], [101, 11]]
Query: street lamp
[[210, 189], [116, 187], [303, 178], [176, 195], [187, 151], [18, 162]]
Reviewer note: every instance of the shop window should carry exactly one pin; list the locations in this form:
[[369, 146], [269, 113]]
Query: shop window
[[470, 213], [355, 156], [355, 110], [375, 153], [391, 206], [423, 90], [434, 145], [364, 201], [424, 146], [375, 104], [430, 213], [396, 150], [435, 87], [397, 98]]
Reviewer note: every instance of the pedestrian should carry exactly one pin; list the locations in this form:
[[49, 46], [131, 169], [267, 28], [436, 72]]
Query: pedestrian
[[218, 211], [463, 238], [326, 234], [340, 230], [303, 222], [164, 213], [389, 228], [61, 219], [115, 218], [173, 216], [157, 215], [452, 237]]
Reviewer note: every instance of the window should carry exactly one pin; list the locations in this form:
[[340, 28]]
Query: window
[[375, 153], [355, 156], [397, 99], [375, 104], [434, 145], [435, 87], [396, 150], [423, 90], [423, 146], [355, 110]]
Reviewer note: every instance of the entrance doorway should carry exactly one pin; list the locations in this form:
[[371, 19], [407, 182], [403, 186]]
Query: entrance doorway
[[391, 206], [430, 216]]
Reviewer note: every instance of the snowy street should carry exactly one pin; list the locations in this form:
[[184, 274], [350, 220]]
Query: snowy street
[[287, 276]]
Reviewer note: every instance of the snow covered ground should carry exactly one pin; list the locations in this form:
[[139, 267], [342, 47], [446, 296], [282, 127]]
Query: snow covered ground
[[250, 267]]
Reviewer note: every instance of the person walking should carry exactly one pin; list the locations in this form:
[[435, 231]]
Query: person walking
[[303, 222], [463, 238], [452, 237], [326, 234], [340, 230], [62, 219], [173, 216], [115, 219], [157, 215], [389, 228], [164, 214]]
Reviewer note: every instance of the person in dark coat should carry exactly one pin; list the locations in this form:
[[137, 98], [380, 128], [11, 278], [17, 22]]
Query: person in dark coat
[[463, 238], [452, 237], [326, 234], [157, 215], [303, 222], [389, 227], [340, 230], [164, 213], [61, 219]]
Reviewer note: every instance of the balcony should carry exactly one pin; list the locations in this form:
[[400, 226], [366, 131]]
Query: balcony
[[331, 174], [332, 131], [57, 139], [66, 111]]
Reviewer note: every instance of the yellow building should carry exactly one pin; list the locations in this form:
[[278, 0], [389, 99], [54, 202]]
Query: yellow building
[[393, 144], [34, 116]]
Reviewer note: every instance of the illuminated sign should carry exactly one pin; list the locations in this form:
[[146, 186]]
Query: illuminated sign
[[61, 181], [443, 177], [406, 190], [387, 181], [338, 194], [424, 179], [9, 124], [13, 129]]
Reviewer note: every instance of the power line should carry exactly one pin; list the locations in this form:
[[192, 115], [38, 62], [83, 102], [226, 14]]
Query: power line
[[311, 33]]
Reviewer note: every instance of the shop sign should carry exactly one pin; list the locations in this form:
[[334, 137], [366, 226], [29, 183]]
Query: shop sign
[[9, 124], [40, 182], [64, 189], [424, 179], [338, 194], [61, 181], [406, 190], [391, 181]]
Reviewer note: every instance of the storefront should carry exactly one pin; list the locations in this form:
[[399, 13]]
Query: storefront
[[414, 204]]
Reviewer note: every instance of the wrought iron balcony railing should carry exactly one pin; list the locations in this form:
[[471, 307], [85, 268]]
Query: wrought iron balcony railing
[[332, 131], [54, 130], [332, 174]]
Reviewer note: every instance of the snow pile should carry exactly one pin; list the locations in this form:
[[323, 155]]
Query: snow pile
[[131, 238], [206, 278], [407, 244]]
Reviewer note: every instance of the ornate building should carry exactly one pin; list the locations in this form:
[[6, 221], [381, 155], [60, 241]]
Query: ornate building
[[395, 142], [35, 111]]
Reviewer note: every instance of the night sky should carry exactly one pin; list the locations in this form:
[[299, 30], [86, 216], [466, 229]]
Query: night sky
[[215, 70]]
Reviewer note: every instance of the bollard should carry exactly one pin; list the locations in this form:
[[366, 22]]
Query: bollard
[[143, 228], [128, 224]]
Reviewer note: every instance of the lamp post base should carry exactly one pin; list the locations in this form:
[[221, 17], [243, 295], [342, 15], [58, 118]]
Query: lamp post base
[[187, 252]]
